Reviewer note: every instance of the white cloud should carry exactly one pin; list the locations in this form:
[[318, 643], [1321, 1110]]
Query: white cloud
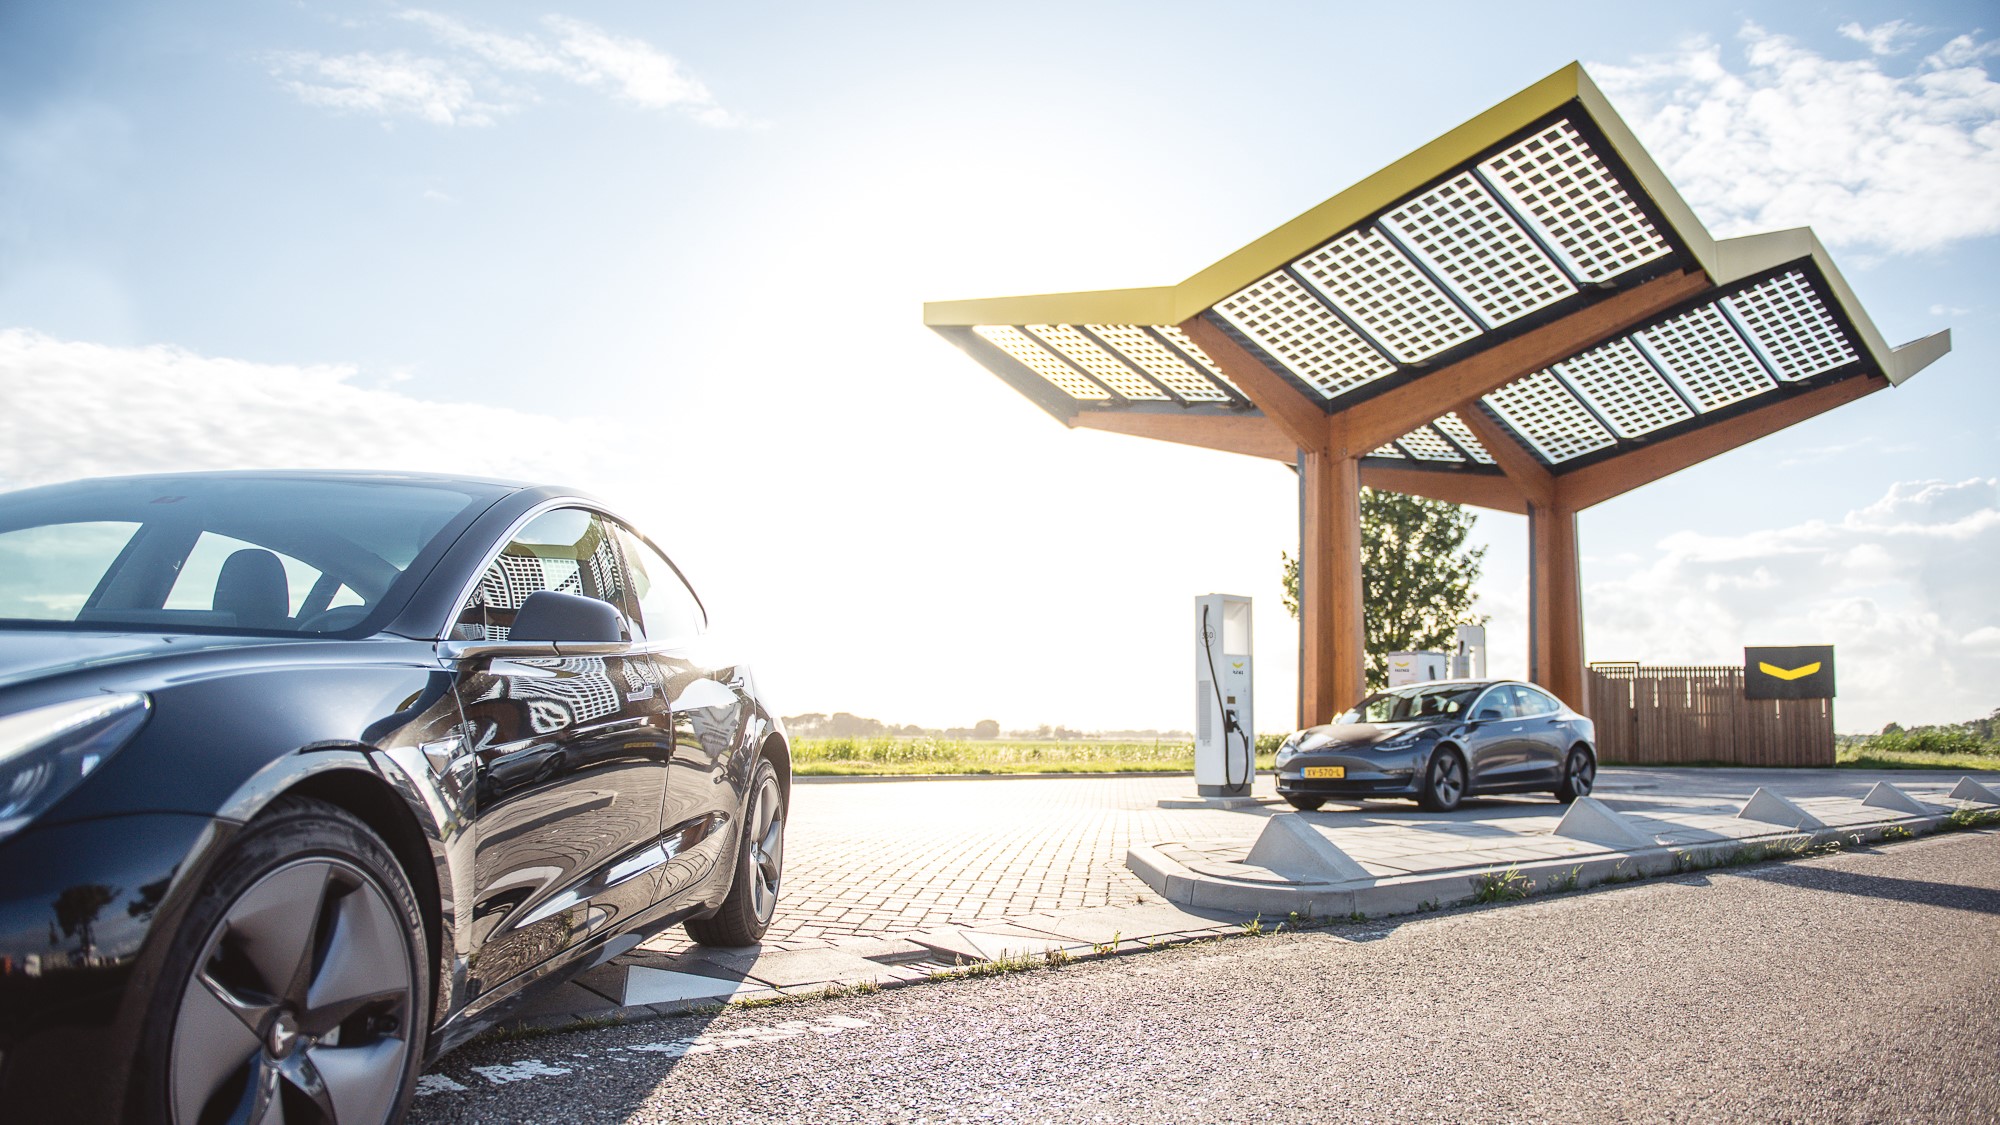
[[481, 73], [1903, 588], [1892, 38], [1902, 163], [392, 85], [77, 409]]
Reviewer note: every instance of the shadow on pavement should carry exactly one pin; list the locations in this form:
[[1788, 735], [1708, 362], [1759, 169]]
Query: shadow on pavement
[[1921, 892]]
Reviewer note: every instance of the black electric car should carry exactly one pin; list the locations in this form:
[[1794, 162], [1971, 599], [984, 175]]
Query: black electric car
[[1440, 742], [306, 777]]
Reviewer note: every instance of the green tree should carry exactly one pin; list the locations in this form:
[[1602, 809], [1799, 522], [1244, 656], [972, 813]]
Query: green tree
[[1416, 576]]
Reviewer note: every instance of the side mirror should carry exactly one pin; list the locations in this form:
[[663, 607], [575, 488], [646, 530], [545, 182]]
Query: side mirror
[[548, 616], [1487, 715]]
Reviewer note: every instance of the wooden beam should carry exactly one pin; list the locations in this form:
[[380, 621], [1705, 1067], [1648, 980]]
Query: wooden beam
[[1522, 467], [1332, 670], [1396, 412], [1252, 435], [1594, 484], [1555, 604], [1301, 419], [1480, 490]]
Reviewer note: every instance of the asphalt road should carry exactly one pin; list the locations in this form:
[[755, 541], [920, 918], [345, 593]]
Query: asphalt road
[[1857, 987]]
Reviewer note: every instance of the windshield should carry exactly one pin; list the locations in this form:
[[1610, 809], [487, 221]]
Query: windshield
[[230, 554], [1413, 703]]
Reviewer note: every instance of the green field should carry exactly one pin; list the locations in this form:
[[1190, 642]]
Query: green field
[[857, 757], [1866, 757]]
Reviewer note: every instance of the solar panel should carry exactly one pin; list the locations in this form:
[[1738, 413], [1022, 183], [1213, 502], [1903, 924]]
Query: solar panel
[[1296, 328], [1471, 241], [1143, 349], [1387, 295], [1455, 428], [1426, 444], [1105, 367], [1556, 180], [1041, 361], [1790, 324], [1543, 411], [1179, 339], [1703, 352], [1626, 389]]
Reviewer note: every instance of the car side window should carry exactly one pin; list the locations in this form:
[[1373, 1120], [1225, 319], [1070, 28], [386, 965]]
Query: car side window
[[668, 610], [569, 551], [1535, 702], [1500, 698]]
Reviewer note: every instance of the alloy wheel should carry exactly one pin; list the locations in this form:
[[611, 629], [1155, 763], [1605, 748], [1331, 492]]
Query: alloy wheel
[[299, 1007], [1582, 773], [767, 848], [1450, 780]]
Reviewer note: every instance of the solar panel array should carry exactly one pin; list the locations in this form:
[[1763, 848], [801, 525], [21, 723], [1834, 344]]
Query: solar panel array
[[1519, 232], [1710, 357]]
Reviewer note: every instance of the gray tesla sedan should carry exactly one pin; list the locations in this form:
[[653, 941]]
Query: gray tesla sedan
[[1439, 743]]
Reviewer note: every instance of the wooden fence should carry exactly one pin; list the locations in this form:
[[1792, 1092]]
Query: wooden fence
[[1667, 716]]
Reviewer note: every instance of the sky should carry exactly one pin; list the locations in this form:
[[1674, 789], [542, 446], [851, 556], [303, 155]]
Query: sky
[[677, 254]]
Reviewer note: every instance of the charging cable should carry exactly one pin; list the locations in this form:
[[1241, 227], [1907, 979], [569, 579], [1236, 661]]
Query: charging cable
[[1229, 723]]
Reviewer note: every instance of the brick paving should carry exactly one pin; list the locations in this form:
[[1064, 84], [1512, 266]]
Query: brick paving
[[872, 858]]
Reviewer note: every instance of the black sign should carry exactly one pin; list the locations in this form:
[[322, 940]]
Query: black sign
[[1798, 672]]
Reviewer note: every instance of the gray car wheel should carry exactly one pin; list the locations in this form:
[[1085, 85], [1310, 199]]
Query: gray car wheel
[[1579, 776], [292, 993], [746, 913], [1444, 782]]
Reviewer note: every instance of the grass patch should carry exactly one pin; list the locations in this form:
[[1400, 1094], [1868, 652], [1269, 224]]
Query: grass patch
[[1503, 886], [1874, 756], [924, 755]]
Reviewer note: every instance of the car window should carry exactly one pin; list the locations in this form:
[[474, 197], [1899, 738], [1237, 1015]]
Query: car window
[[1535, 702], [568, 551], [668, 610], [222, 553], [201, 574], [1405, 704], [47, 573], [1500, 698]]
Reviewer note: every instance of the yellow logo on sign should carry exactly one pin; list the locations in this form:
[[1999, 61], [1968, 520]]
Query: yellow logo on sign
[[1776, 672]]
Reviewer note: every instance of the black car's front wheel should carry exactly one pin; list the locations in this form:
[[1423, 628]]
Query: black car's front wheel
[[745, 915], [295, 989], [1304, 803], [1444, 782], [1579, 775]]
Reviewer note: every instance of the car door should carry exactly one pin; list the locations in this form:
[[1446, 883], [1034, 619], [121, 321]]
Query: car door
[[1494, 740], [571, 743], [1542, 739], [709, 703]]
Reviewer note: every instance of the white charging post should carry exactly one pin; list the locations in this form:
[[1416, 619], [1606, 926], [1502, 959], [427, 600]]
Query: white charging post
[[1225, 735]]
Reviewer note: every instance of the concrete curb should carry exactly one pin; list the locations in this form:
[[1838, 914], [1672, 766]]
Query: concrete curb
[[1411, 893]]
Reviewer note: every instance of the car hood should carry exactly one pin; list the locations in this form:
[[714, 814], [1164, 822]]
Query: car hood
[[1338, 736], [32, 654]]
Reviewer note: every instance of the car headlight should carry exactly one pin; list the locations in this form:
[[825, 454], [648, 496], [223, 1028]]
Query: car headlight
[[48, 751], [1287, 749]]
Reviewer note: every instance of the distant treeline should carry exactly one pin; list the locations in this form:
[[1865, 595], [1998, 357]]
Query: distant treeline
[[841, 724], [1977, 736]]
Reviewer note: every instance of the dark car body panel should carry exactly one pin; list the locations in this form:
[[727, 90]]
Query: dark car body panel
[[1512, 754], [442, 748]]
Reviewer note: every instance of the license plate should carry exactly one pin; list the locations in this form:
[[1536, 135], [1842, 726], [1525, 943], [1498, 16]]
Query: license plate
[[1326, 771]]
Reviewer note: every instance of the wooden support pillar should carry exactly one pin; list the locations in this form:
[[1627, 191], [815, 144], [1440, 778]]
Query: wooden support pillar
[[1333, 660], [1555, 598]]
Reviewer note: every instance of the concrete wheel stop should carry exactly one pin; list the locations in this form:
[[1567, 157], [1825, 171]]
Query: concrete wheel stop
[[1970, 790]]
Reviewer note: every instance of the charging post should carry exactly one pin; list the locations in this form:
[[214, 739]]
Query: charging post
[[1225, 738]]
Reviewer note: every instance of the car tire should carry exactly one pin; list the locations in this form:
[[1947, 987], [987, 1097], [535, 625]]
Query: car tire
[[1305, 804], [1445, 782], [746, 912], [300, 973], [1579, 775]]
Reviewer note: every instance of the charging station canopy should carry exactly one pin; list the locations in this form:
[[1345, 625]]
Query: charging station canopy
[[1522, 315]]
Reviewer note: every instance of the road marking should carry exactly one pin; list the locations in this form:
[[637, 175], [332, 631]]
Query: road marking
[[708, 1042]]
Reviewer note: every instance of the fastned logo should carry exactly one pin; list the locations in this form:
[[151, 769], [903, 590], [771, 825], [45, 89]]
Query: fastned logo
[[1797, 672], [1788, 673]]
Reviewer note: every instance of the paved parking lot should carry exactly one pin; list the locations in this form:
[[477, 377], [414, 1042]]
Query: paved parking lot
[[873, 858]]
